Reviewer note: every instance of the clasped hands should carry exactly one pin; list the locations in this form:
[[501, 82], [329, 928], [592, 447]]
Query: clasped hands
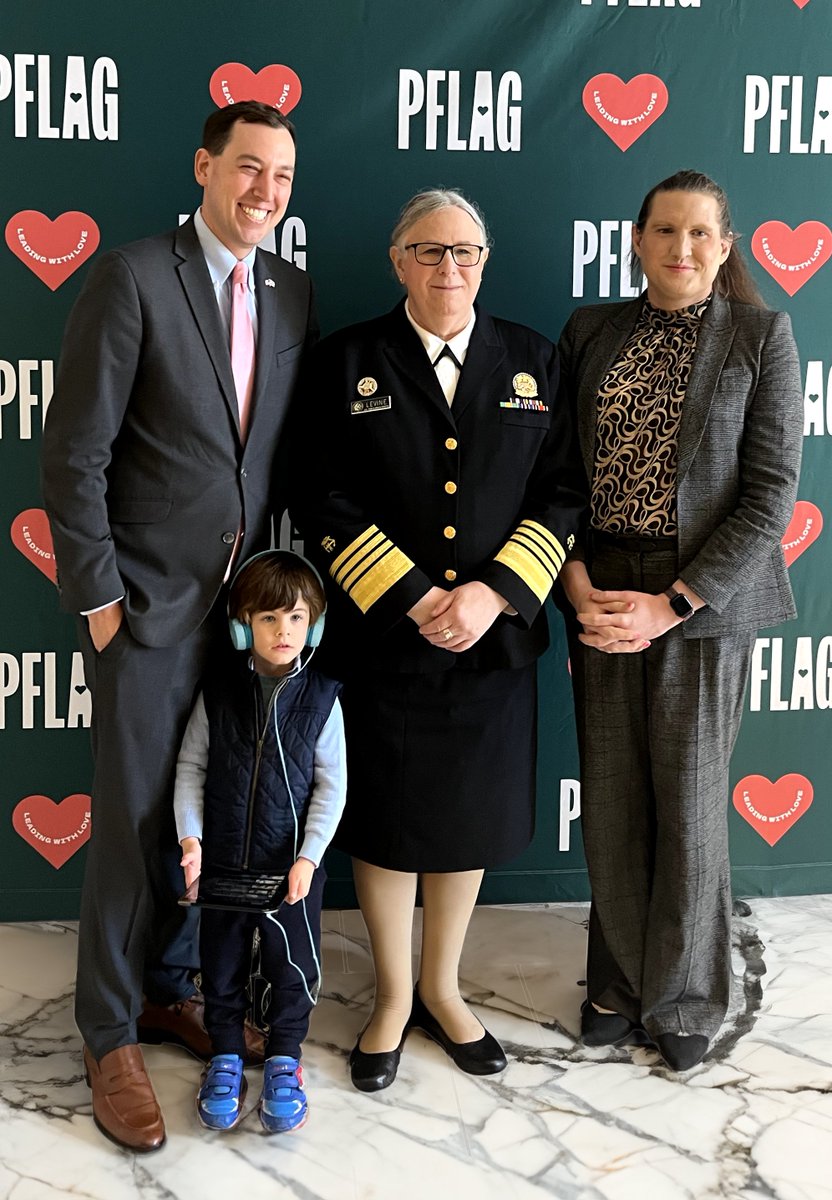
[[623, 622], [456, 620]]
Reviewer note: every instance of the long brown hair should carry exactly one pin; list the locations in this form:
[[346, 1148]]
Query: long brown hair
[[733, 280]]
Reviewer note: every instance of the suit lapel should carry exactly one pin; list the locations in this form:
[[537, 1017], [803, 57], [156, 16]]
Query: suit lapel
[[485, 356], [716, 334], [602, 351], [407, 356], [196, 281]]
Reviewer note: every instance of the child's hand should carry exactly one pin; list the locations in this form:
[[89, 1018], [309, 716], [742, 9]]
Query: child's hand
[[191, 862], [300, 880]]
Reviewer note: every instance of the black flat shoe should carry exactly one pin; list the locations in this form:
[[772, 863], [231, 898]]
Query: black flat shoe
[[682, 1051], [372, 1072], [483, 1057], [609, 1029]]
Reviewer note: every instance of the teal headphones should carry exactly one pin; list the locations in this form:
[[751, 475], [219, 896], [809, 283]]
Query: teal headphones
[[241, 632]]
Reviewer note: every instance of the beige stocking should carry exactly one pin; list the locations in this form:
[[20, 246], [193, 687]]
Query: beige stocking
[[448, 903], [387, 900]]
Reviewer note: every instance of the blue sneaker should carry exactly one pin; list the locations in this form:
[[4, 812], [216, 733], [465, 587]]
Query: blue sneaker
[[219, 1102], [283, 1104]]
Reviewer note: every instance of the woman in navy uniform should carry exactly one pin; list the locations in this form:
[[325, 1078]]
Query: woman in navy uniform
[[444, 494]]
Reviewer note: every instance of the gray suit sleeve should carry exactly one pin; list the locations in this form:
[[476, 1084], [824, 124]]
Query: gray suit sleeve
[[95, 377], [768, 475]]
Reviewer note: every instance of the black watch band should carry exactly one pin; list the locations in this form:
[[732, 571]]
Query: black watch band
[[680, 604]]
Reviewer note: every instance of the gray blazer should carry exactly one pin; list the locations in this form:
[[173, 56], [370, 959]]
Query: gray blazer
[[740, 443], [145, 478]]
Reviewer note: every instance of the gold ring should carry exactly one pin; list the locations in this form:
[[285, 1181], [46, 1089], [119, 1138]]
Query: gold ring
[[447, 634]]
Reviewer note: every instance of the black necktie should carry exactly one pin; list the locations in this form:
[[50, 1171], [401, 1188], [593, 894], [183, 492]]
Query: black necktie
[[446, 351]]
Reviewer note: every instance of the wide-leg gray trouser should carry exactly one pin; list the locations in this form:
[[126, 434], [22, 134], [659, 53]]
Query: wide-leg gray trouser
[[656, 730]]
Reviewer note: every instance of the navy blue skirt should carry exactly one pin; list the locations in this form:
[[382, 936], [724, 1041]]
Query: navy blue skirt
[[441, 768]]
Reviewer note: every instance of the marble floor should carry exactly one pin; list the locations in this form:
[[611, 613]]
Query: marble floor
[[753, 1121]]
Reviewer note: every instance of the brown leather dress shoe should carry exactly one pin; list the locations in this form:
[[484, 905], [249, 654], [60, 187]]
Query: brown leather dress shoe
[[183, 1024], [124, 1106]]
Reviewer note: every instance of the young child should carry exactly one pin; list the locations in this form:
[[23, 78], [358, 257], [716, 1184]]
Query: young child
[[260, 784]]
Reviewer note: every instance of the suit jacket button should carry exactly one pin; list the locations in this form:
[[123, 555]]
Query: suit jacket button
[[228, 538], [450, 443], [450, 487], [450, 576], [449, 531]]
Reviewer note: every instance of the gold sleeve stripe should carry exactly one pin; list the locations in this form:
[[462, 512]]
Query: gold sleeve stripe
[[535, 554], [378, 547], [379, 577], [545, 535], [345, 559], [368, 550], [542, 549], [530, 569]]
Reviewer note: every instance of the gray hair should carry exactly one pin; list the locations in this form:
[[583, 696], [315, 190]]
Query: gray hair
[[424, 204]]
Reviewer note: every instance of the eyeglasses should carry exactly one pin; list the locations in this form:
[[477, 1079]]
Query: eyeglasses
[[430, 254]]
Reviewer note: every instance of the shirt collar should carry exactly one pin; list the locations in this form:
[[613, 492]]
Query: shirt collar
[[661, 318], [435, 345], [221, 262]]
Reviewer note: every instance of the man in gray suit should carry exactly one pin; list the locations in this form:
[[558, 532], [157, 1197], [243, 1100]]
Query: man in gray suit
[[162, 467]]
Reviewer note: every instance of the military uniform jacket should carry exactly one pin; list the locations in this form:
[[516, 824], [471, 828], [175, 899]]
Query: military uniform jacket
[[403, 492]]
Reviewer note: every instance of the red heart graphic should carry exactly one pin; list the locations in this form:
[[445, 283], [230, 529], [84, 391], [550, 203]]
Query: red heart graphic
[[52, 249], [804, 528], [791, 256], [33, 538], [56, 831], [772, 808], [625, 110], [276, 85]]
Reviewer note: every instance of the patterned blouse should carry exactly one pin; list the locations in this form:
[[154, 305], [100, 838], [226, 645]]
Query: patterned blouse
[[637, 431]]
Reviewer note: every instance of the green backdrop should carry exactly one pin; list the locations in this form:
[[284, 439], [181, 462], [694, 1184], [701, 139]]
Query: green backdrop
[[556, 116]]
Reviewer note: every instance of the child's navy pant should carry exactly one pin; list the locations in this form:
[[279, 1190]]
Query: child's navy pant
[[225, 953]]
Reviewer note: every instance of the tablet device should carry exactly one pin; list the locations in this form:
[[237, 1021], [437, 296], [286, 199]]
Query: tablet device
[[237, 891]]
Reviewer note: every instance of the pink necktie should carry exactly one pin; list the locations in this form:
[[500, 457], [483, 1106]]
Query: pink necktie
[[242, 344]]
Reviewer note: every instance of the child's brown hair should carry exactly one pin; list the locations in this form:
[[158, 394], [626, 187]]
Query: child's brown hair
[[275, 580]]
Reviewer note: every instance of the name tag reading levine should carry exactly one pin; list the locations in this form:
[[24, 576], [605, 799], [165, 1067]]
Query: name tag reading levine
[[371, 404]]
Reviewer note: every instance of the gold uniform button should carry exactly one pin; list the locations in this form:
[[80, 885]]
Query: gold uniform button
[[449, 531], [450, 443], [450, 576], [450, 487]]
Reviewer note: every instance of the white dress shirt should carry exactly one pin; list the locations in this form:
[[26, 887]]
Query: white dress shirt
[[446, 369]]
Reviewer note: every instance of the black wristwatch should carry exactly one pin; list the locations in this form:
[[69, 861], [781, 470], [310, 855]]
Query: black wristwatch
[[680, 604]]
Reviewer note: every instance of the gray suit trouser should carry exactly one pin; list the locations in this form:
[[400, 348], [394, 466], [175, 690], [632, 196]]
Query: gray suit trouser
[[655, 731], [134, 940]]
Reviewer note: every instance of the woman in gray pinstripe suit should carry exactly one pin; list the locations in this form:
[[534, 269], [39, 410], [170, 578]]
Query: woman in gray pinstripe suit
[[689, 415]]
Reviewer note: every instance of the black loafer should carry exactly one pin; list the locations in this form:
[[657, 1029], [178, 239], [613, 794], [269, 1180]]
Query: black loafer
[[372, 1072], [483, 1057], [682, 1051], [609, 1029]]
